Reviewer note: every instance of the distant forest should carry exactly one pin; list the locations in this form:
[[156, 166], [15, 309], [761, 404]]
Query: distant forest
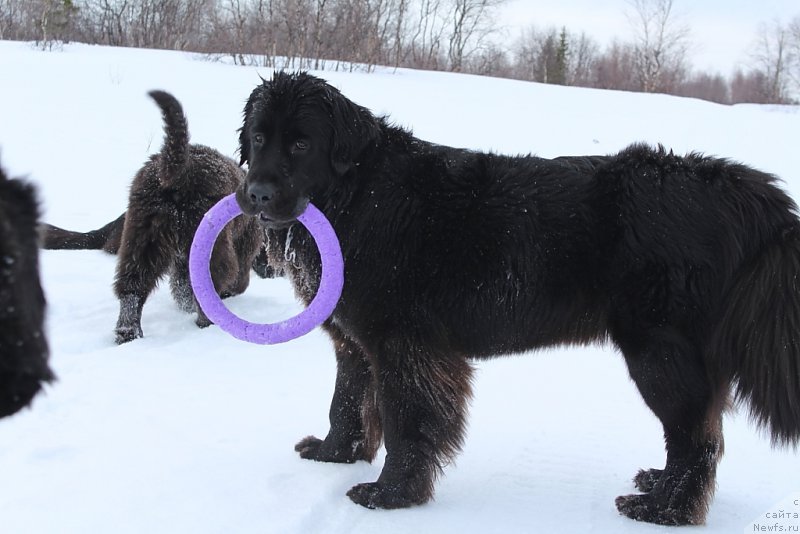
[[448, 35]]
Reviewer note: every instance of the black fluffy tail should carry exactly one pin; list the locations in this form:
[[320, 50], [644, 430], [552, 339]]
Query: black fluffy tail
[[175, 152], [757, 343], [106, 238]]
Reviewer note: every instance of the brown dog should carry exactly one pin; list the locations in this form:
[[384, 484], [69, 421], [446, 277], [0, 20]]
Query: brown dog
[[168, 198]]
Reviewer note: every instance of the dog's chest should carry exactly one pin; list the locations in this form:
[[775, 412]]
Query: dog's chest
[[294, 251]]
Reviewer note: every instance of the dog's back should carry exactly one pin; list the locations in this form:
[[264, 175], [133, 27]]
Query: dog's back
[[172, 163], [23, 347]]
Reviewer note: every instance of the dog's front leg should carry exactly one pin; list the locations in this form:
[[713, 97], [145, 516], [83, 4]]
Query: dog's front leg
[[423, 398], [143, 259], [355, 432], [129, 322]]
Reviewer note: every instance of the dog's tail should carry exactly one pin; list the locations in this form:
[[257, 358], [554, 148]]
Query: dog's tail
[[107, 238], [175, 152], [757, 343]]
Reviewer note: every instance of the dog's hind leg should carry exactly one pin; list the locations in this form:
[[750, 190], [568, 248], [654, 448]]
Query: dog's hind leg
[[355, 432], [669, 373], [180, 286], [223, 273], [423, 396]]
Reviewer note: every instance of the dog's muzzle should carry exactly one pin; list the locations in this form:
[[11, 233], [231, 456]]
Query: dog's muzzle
[[273, 206]]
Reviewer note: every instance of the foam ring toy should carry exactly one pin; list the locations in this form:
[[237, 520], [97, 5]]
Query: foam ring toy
[[320, 308]]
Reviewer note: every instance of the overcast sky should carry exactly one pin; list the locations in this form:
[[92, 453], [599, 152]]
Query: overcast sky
[[722, 31]]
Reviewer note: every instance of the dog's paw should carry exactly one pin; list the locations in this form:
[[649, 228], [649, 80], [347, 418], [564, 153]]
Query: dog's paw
[[308, 447], [127, 333], [332, 450], [313, 448], [645, 480], [377, 495], [646, 508]]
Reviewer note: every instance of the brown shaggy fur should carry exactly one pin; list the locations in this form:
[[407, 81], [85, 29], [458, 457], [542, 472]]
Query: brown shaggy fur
[[168, 198], [109, 236]]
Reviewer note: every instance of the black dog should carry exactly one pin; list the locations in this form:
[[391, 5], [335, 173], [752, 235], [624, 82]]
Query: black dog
[[688, 264], [23, 345], [168, 198]]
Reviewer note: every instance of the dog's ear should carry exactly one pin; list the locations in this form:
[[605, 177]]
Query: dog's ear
[[354, 129], [244, 131], [244, 146]]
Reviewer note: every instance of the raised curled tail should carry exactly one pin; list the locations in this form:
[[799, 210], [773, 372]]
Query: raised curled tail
[[757, 342], [107, 238], [175, 152]]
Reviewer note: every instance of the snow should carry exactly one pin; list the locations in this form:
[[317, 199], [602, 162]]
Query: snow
[[189, 430]]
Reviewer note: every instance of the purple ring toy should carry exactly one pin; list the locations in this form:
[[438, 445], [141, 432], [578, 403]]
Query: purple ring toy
[[321, 307]]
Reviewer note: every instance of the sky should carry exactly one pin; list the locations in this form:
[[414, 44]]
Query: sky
[[723, 32]]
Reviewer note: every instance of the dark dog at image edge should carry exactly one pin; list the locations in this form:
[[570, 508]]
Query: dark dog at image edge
[[168, 198], [688, 264], [24, 351]]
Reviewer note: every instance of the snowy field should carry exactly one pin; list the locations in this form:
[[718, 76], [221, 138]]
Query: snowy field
[[190, 431]]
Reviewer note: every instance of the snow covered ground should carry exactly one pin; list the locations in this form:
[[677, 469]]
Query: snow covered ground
[[193, 431]]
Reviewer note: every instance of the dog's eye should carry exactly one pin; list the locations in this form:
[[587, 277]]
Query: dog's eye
[[301, 145], [258, 139]]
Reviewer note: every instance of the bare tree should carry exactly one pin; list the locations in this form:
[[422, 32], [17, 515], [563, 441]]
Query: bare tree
[[491, 60], [426, 42], [794, 45], [661, 44], [711, 87], [228, 30], [105, 22], [751, 87], [583, 56], [55, 17], [554, 56], [12, 19], [615, 69], [319, 16], [400, 31], [774, 57], [537, 57], [264, 31], [471, 25]]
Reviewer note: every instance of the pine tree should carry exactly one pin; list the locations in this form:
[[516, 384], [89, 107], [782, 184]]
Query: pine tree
[[561, 68]]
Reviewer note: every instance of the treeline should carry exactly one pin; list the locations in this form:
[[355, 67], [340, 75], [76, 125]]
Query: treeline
[[453, 35], [560, 57]]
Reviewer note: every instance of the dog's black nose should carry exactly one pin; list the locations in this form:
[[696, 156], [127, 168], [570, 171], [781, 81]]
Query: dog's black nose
[[260, 194]]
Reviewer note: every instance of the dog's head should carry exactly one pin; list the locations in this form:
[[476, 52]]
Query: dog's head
[[300, 135]]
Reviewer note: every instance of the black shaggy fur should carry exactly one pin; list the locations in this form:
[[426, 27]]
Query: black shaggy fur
[[688, 264], [106, 238], [24, 352], [168, 198]]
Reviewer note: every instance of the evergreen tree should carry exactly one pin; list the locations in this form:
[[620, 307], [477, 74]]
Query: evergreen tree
[[561, 67]]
